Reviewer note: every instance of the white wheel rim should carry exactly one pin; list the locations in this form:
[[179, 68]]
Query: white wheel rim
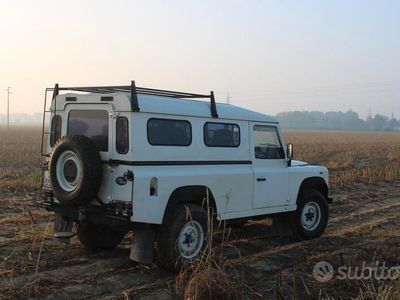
[[190, 240], [68, 171], [310, 216]]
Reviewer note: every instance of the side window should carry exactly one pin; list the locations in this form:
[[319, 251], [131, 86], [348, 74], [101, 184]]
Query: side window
[[90, 123], [122, 135], [221, 135], [266, 143], [167, 132], [55, 131]]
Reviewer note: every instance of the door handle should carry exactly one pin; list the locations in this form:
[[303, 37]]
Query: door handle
[[261, 179]]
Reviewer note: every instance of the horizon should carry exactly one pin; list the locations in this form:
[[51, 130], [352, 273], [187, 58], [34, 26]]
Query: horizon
[[268, 57], [36, 118]]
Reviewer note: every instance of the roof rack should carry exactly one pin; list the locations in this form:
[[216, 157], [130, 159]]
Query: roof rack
[[134, 91]]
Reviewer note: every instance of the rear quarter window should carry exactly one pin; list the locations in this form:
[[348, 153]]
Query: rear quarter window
[[167, 132], [92, 124], [221, 134]]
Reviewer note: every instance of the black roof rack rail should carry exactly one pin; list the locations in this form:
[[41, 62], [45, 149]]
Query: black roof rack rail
[[134, 91]]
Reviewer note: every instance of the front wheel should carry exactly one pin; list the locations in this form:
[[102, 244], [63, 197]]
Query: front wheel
[[311, 216], [183, 237], [94, 237]]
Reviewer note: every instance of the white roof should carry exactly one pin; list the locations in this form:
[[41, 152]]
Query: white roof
[[165, 105], [171, 106]]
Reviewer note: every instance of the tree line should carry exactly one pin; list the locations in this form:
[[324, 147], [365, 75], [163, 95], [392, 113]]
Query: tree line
[[338, 120]]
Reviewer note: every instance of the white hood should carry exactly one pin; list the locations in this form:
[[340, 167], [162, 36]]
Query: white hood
[[298, 163]]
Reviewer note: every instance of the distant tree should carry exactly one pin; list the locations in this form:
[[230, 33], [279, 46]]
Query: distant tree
[[380, 122], [394, 124], [317, 119], [349, 120], [353, 121]]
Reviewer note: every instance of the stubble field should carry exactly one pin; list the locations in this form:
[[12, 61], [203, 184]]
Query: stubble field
[[363, 227]]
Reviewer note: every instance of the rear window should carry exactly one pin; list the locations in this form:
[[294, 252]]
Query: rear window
[[122, 135], [221, 135], [167, 132], [55, 133], [90, 123]]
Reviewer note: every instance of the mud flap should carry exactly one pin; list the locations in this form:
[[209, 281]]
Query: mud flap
[[142, 249], [63, 229]]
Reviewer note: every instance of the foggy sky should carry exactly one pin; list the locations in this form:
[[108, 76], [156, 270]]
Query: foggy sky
[[270, 56]]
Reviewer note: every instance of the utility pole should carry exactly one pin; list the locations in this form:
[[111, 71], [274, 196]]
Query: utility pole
[[228, 98], [8, 107]]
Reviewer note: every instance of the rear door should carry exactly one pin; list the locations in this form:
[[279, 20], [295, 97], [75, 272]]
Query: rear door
[[93, 121], [269, 167], [99, 123]]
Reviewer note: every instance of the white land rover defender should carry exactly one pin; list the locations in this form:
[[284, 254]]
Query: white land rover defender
[[121, 158]]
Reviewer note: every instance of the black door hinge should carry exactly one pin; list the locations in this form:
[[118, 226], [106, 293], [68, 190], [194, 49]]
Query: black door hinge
[[128, 175]]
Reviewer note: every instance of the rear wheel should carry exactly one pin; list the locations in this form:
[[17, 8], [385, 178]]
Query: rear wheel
[[311, 216], [183, 237], [94, 237]]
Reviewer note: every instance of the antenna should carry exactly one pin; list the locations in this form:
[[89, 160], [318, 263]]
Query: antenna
[[8, 106]]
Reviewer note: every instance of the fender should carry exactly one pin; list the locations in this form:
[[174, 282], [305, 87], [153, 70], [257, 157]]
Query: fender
[[194, 194], [317, 183]]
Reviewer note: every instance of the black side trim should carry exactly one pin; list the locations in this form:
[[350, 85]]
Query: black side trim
[[107, 98], [178, 163]]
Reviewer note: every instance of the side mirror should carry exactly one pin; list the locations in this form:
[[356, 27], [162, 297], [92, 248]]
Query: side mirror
[[289, 152]]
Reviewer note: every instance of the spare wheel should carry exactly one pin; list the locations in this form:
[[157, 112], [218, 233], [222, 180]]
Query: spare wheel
[[75, 170]]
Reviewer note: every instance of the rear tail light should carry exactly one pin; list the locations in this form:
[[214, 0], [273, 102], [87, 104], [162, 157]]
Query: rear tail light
[[121, 208]]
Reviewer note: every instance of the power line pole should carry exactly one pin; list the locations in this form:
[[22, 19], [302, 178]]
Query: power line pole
[[8, 107], [228, 98]]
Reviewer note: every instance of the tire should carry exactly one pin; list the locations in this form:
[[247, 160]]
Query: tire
[[94, 238], [171, 246], [311, 217], [75, 170]]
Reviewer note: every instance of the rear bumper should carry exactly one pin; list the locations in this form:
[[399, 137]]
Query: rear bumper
[[106, 215]]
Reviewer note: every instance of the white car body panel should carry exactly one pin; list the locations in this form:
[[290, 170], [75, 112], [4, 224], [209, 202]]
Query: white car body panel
[[233, 183]]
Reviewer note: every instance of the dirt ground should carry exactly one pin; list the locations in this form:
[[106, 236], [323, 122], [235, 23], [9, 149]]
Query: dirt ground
[[364, 226]]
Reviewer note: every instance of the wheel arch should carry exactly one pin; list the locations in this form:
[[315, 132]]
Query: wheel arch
[[192, 194], [316, 183]]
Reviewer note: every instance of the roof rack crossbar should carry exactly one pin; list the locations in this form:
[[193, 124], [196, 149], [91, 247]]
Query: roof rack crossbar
[[56, 91], [134, 91], [134, 99], [214, 113]]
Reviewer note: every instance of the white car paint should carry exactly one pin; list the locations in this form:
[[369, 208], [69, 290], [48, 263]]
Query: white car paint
[[235, 187]]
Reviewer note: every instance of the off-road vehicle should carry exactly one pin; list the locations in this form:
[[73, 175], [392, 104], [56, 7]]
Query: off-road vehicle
[[121, 158]]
